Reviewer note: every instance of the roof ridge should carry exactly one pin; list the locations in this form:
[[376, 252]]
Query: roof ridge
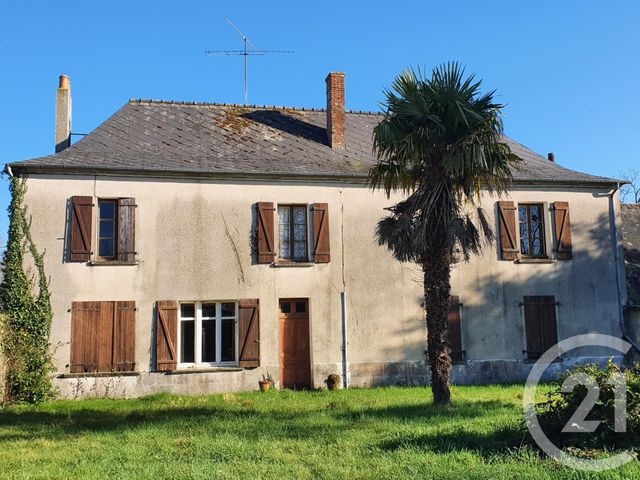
[[239, 105]]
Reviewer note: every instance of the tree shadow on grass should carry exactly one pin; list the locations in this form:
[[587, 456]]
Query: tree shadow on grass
[[426, 411], [498, 441], [327, 420], [25, 425]]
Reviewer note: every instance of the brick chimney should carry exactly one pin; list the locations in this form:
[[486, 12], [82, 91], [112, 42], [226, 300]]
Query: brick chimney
[[63, 114], [336, 114]]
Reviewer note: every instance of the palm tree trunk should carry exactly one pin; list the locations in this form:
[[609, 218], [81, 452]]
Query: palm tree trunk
[[437, 287]]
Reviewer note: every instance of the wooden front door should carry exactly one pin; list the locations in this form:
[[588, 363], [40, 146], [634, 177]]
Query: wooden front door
[[295, 358]]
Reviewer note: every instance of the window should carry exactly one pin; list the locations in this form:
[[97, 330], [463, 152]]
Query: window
[[207, 333], [532, 241], [292, 229], [105, 236], [107, 229]]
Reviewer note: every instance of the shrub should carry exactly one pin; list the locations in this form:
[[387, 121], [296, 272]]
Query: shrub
[[26, 308], [558, 409]]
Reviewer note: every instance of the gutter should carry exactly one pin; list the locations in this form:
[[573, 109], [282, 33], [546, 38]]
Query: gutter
[[359, 178]]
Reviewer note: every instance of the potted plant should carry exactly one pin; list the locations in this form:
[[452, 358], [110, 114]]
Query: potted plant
[[333, 381], [266, 383]]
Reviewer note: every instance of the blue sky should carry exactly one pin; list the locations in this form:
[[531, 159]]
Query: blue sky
[[567, 70]]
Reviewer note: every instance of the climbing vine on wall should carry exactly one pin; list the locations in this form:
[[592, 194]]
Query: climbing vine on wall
[[26, 308]]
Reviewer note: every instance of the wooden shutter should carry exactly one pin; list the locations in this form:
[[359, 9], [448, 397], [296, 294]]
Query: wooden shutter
[[508, 238], [166, 335], [124, 337], [249, 332], [321, 232], [266, 237], [81, 220], [540, 324], [562, 230], [454, 329], [102, 336], [84, 320], [126, 251]]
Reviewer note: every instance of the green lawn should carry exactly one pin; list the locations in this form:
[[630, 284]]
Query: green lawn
[[379, 433]]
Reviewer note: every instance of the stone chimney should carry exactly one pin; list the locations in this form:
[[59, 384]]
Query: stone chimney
[[551, 156], [336, 114], [63, 114]]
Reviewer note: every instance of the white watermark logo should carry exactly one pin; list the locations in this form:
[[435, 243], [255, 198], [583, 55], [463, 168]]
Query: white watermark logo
[[578, 422]]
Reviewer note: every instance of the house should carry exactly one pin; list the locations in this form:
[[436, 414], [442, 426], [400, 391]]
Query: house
[[194, 247], [630, 220]]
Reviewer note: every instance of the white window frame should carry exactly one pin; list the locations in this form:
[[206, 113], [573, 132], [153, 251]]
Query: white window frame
[[198, 333]]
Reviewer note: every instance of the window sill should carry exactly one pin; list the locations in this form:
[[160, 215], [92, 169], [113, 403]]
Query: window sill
[[292, 264], [100, 263], [535, 260], [98, 374], [181, 371]]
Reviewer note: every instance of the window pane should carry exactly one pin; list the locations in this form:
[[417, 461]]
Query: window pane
[[228, 309], [535, 213], [285, 307], [536, 230], [522, 213], [524, 246], [299, 215], [208, 310], [187, 310], [284, 232], [187, 337], [537, 247], [105, 249], [107, 209], [299, 232], [208, 340], [283, 215], [228, 353], [301, 307], [285, 246], [106, 228], [300, 250]]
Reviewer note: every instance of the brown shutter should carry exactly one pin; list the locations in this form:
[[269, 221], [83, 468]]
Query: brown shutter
[[321, 232], [85, 317], [249, 332], [81, 228], [266, 237], [540, 324], [454, 330], [126, 251], [166, 335], [124, 337], [102, 336], [562, 230], [508, 239]]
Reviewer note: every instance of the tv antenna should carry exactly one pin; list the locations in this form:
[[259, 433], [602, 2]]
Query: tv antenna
[[246, 52]]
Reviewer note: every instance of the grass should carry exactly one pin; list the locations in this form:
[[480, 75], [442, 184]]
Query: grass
[[379, 433]]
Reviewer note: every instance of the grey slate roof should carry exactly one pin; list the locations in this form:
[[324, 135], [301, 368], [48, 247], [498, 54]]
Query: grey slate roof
[[630, 219], [198, 138]]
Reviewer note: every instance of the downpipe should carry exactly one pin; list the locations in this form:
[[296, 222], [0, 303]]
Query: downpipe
[[617, 259]]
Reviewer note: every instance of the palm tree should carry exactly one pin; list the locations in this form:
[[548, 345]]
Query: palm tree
[[440, 144]]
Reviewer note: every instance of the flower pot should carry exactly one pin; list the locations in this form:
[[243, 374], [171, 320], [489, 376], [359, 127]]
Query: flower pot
[[264, 386]]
